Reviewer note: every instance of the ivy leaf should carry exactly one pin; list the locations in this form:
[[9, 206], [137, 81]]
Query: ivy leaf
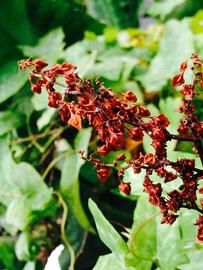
[[11, 80], [142, 240], [53, 40], [23, 191], [69, 182], [107, 233], [171, 47], [169, 256]]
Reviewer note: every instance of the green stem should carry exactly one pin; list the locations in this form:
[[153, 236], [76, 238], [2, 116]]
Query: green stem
[[63, 226]]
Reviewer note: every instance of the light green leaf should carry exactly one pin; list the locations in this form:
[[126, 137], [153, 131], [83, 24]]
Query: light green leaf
[[197, 22], [171, 53], [53, 41], [22, 247], [22, 190], [11, 80], [142, 241], [110, 262], [191, 266], [10, 120], [169, 249], [29, 266], [107, 233], [69, 183]]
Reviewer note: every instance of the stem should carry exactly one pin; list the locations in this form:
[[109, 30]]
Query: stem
[[63, 233], [170, 136], [52, 164]]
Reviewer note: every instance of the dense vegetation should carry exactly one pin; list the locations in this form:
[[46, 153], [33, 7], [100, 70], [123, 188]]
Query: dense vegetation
[[45, 185]]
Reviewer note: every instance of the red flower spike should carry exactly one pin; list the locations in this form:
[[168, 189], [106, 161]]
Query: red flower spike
[[125, 188], [111, 116], [178, 80]]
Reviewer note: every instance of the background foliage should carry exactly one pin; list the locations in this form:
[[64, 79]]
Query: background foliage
[[129, 44]]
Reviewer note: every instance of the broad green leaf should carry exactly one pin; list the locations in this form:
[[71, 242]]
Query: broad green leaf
[[169, 250], [110, 262], [171, 53], [142, 242], [107, 233], [10, 120], [53, 41], [69, 182], [23, 191], [11, 80]]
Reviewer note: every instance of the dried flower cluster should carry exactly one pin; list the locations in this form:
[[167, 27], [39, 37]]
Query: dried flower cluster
[[116, 117]]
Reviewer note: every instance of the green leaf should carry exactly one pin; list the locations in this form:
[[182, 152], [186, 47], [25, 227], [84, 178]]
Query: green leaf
[[151, 241], [7, 256], [22, 247], [171, 53], [19, 27], [23, 191], [164, 8], [110, 262], [142, 240], [11, 80], [107, 233], [29, 266], [53, 41], [10, 120], [114, 13], [197, 22], [69, 182], [190, 266], [169, 255]]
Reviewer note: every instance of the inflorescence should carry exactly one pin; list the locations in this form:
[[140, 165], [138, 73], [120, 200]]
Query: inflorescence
[[116, 117]]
